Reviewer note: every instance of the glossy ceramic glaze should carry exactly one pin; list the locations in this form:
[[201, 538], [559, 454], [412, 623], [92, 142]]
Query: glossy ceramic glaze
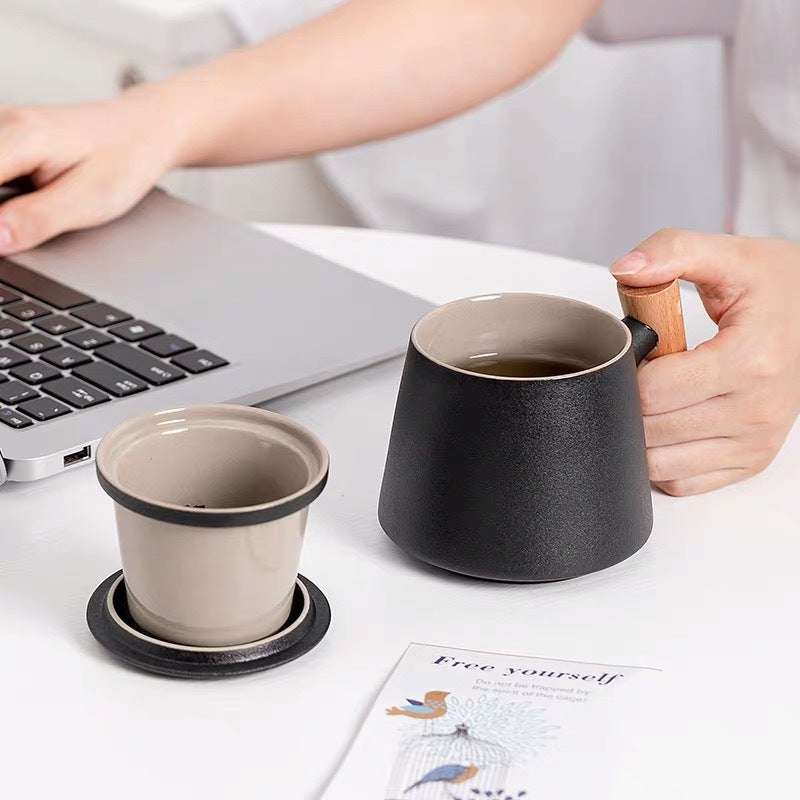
[[211, 509]]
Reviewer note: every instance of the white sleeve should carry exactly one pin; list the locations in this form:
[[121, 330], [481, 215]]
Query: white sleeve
[[634, 20], [257, 19]]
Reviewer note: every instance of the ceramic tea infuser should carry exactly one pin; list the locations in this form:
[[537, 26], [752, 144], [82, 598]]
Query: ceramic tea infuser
[[211, 503]]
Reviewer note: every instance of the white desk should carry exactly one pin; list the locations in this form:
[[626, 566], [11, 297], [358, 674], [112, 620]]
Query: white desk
[[713, 599]]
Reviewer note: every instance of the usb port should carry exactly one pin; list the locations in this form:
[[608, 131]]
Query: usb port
[[84, 454]]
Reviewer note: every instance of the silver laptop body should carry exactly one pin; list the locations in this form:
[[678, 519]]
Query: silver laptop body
[[282, 317]]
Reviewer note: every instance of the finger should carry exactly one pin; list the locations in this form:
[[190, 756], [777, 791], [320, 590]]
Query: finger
[[47, 173], [706, 420], [698, 484], [62, 205], [711, 261], [678, 461], [681, 380], [18, 156]]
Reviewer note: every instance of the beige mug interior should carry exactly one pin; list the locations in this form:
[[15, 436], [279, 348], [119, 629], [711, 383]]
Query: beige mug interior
[[201, 584], [517, 324]]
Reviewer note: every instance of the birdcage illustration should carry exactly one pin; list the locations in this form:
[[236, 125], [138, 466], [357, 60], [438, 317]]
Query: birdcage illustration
[[443, 766]]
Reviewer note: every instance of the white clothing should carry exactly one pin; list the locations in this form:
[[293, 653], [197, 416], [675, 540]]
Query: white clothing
[[768, 91], [603, 148]]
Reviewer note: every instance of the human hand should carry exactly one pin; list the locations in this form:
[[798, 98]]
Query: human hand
[[90, 163], [720, 413]]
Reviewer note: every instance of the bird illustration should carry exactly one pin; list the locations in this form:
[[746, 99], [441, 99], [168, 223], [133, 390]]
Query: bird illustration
[[432, 707], [447, 773]]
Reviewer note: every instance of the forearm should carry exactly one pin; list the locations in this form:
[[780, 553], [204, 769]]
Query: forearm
[[367, 70]]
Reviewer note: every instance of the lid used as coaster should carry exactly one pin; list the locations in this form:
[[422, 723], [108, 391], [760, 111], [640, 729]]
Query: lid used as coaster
[[111, 624]]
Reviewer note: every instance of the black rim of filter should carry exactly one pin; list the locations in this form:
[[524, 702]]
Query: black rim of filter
[[213, 519]]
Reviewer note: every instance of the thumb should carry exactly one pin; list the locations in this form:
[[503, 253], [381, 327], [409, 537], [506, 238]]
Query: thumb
[[713, 262], [30, 219]]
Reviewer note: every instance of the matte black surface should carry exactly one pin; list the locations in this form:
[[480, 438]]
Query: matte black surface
[[10, 327], [58, 363], [100, 314], [76, 393], [44, 408], [57, 325], [178, 663], [167, 345], [15, 392], [42, 288], [141, 364], [13, 419], [199, 361], [35, 373], [111, 379], [88, 339], [66, 357], [11, 358], [16, 187], [34, 343], [135, 330], [7, 296], [27, 310], [525, 481]]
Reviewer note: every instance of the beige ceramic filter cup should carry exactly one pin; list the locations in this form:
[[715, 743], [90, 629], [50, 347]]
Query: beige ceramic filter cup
[[211, 504]]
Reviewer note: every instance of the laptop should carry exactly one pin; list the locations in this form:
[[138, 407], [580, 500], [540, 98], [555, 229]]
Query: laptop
[[171, 305]]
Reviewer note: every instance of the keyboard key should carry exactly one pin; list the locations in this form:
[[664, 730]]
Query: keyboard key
[[167, 345], [44, 408], [15, 392], [9, 328], [199, 361], [17, 186], [34, 373], [135, 331], [66, 358], [87, 339], [11, 358], [57, 325], [113, 380], [27, 310], [13, 419], [36, 285], [7, 296], [101, 315], [34, 343], [77, 393], [140, 364]]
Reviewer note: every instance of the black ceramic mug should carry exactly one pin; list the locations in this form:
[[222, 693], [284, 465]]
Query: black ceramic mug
[[520, 478]]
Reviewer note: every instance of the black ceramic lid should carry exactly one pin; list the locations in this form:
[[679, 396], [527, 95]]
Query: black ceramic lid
[[111, 624]]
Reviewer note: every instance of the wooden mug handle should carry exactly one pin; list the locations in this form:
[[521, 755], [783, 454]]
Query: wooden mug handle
[[660, 308]]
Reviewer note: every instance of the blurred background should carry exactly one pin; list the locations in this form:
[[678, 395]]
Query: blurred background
[[608, 144]]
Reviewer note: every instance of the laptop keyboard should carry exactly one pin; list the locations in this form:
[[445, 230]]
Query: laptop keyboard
[[61, 351]]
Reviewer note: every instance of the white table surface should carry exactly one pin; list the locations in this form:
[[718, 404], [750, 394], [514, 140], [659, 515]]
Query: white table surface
[[712, 599]]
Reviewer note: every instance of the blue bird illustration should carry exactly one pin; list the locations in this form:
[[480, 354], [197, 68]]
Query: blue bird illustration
[[432, 707], [447, 773]]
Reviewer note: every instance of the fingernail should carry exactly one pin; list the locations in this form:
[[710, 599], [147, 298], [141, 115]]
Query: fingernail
[[629, 264], [6, 238]]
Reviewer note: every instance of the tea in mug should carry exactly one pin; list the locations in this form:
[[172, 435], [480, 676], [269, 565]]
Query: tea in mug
[[533, 365]]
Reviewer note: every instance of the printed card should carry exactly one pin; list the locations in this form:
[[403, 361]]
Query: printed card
[[454, 724]]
